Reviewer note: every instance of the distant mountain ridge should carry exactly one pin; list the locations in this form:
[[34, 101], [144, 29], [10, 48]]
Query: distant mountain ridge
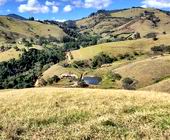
[[16, 16]]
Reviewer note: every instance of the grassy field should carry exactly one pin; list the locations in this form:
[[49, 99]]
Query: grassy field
[[147, 71], [162, 86], [58, 113], [10, 54], [131, 12], [58, 70], [122, 47], [30, 28]]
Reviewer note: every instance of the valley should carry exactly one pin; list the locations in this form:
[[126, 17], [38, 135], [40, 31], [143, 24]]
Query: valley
[[105, 76]]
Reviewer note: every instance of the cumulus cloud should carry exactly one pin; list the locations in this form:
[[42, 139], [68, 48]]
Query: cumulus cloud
[[86, 4], [33, 6], [67, 8], [97, 4], [156, 3], [55, 9], [2, 2], [50, 3]]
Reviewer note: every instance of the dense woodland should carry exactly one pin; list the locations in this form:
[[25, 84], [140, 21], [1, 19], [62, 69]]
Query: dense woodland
[[24, 72]]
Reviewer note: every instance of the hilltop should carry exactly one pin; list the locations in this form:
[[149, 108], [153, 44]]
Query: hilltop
[[47, 113], [12, 28], [123, 23]]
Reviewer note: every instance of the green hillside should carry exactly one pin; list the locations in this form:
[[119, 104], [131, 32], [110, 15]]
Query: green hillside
[[29, 28], [121, 47]]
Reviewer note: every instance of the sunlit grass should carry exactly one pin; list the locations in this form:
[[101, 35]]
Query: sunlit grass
[[58, 113]]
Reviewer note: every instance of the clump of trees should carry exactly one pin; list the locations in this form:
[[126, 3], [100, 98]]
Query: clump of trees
[[151, 35], [96, 62], [24, 72], [104, 58], [80, 41], [53, 80], [160, 49], [101, 59]]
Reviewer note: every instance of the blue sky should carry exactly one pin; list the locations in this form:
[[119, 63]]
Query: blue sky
[[71, 9]]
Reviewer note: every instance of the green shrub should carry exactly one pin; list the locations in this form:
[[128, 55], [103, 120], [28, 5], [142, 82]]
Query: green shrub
[[160, 49], [101, 59], [53, 80], [129, 83]]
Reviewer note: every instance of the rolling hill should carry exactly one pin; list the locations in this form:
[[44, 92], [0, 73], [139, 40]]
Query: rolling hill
[[20, 28], [121, 47], [161, 86], [126, 21], [147, 71], [47, 113]]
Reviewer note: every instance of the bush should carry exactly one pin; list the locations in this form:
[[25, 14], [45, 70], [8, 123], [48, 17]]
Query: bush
[[109, 79], [16, 48], [127, 56], [81, 64], [101, 59], [129, 84], [71, 46], [28, 44], [160, 49], [53, 80], [150, 35]]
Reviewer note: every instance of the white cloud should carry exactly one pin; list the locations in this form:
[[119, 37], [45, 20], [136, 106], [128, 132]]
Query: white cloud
[[97, 4], [50, 3], [61, 20], [68, 8], [33, 6], [2, 2], [20, 0], [156, 3], [55, 9]]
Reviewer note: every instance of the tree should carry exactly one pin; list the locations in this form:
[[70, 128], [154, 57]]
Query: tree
[[101, 59], [31, 18]]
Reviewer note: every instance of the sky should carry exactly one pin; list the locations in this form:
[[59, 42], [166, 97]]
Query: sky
[[62, 10]]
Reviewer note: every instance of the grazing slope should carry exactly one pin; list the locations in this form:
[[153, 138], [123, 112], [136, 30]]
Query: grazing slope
[[148, 71], [162, 86], [22, 28], [58, 70], [122, 47], [51, 113], [10, 54], [127, 21]]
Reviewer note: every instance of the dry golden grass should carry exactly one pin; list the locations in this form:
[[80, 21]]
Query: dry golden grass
[[31, 28], [162, 86], [46, 30], [116, 48], [147, 71], [58, 113], [133, 12], [10, 54], [117, 26], [58, 70]]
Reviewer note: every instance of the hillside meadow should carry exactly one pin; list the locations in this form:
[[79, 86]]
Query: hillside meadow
[[121, 47], [87, 114]]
